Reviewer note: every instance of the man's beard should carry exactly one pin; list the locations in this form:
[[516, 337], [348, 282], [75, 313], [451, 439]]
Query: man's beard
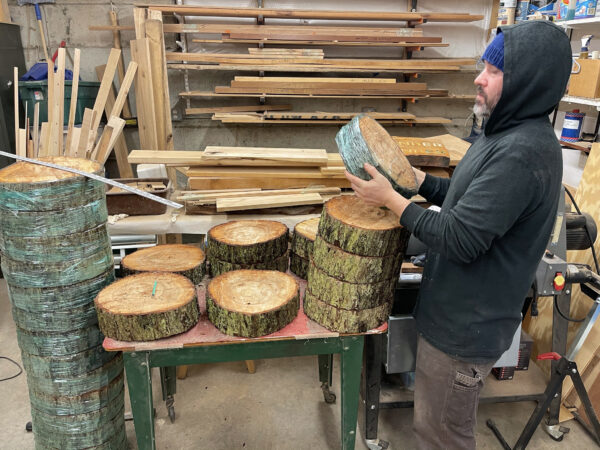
[[482, 110]]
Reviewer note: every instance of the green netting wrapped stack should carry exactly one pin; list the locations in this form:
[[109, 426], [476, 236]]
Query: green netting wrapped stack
[[56, 257]]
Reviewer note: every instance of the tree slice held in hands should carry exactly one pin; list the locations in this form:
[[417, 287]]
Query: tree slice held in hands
[[362, 141], [248, 241], [304, 236], [218, 267], [147, 306], [350, 224], [186, 260], [252, 303]]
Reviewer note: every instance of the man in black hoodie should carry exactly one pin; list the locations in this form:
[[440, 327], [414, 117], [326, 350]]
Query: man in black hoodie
[[496, 216]]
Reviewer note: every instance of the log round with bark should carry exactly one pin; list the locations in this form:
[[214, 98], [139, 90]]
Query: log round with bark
[[218, 267], [248, 241], [147, 306], [252, 303], [354, 268], [362, 141], [186, 260], [299, 266], [350, 224], [304, 236], [345, 320], [343, 294], [31, 187]]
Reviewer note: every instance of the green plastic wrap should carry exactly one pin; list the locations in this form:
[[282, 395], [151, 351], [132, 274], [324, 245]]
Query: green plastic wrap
[[78, 404], [117, 442], [66, 366], [64, 273], [83, 384], [63, 248], [53, 223], [44, 343], [50, 196], [61, 298], [61, 321]]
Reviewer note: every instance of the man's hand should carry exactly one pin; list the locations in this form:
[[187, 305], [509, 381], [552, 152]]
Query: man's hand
[[377, 192]]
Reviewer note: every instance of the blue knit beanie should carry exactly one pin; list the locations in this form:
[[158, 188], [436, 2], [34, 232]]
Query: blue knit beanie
[[494, 53]]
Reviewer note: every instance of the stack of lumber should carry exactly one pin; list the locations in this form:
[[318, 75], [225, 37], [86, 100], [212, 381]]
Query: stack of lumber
[[56, 256], [248, 244], [252, 303], [46, 139], [301, 250], [430, 155], [355, 264], [147, 306], [186, 260]]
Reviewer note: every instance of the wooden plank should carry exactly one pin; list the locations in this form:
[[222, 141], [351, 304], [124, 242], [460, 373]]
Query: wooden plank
[[50, 110], [309, 68], [338, 115], [455, 146], [121, 65], [22, 149], [114, 127], [423, 152], [264, 183], [106, 85], [139, 20], [266, 86], [256, 172], [272, 201], [16, 107], [244, 108], [199, 94], [86, 125], [315, 14], [102, 144], [57, 124], [76, 135], [43, 140], [154, 36], [316, 79], [143, 95], [36, 129], [4, 12], [249, 118], [210, 198], [121, 100], [73, 104], [334, 160], [415, 46], [319, 91]]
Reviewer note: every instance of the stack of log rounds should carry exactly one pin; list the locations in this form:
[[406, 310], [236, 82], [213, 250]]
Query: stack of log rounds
[[362, 141], [186, 260], [248, 244], [303, 240], [355, 264], [252, 303], [147, 306], [56, 257]]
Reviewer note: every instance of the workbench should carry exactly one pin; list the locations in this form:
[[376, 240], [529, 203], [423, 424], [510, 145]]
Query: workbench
[[206, 344]]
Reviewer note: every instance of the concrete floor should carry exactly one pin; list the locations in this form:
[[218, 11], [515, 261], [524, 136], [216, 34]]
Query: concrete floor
[[222, 406]]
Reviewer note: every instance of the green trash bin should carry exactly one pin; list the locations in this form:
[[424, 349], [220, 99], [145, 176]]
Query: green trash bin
[[34, 92]]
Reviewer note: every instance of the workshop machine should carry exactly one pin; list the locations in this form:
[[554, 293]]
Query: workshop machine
[[396, 351]]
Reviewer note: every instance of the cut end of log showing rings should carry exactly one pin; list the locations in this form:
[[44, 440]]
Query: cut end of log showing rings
[[186, 260], [252, 303], [304, 236], [22, 172], [248, 244], [362, 141], [147, 306]]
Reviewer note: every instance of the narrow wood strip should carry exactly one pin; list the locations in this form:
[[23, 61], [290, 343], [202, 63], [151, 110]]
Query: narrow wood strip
[[212, 197], [45, 127], [120, 66], [69, 150], [86, 125], [16, 107], [143, 95], [22, 149], [36, 129], [260, 86], [317, 79], [415, 46], [255, 172], [264, 183], [245, 108], [50, 103], [271, 201], [116, 124], [102, 144]]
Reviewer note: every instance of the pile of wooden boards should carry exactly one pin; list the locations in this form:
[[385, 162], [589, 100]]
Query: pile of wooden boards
[[46, 139]]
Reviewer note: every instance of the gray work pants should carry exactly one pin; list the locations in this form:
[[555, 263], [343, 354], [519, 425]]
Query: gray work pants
[[446, 398]]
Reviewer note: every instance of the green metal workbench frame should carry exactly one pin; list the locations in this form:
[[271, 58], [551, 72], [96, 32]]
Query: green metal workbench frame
[[139, 364]]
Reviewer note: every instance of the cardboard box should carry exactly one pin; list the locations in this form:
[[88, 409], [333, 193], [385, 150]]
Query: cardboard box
[[586, 83]]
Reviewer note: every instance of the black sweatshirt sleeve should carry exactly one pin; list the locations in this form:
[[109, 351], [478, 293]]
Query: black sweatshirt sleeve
[[492, 203], [434, 189]]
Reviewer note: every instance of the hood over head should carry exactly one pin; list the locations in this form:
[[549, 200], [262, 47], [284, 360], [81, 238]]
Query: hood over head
[[537, 66]]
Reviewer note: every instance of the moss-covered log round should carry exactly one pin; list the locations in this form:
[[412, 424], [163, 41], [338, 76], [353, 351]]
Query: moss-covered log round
[[186, 260], [252, 303], [354, 268], [299, 266], [304, 236], [43, 343], [345, 320], [31, 187], [147, 306], [78, 404], [345, 295], [218, 267], [350, 224], [248, 241]]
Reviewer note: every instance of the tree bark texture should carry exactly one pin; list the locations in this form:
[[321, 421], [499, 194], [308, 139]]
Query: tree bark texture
[[345, 295], [354, 268], [344, 320], [218, 267], [247, 241], [299, 266], [362, 141], [304, 236], [350, 224]]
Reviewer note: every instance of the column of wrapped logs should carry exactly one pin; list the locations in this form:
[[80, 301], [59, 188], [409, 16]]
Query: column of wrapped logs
[[56, 256], [252, 303], [186, 260], [301, 250], [147, 306], [248, 244], [355, 264]]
